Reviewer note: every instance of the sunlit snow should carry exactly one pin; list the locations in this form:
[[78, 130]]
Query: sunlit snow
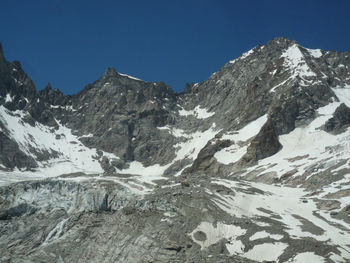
[[8, 98], [130, 77], [235, 152], [294, 60], [285, 203], [309, 141], [72, 157], [343, 94], [198, 112], [316, 53]]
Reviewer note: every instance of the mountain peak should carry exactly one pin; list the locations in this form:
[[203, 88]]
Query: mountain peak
[[282, 40], [48, 86], [281, 43], [110, 72]]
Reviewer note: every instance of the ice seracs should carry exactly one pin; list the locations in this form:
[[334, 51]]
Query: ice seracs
[[55, 233]]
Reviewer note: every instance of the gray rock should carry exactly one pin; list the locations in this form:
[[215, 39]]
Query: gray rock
[[340, 120], [115, 217], [263, 145]]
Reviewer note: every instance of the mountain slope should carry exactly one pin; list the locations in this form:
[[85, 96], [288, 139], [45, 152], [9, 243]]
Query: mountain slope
[[206, 175]]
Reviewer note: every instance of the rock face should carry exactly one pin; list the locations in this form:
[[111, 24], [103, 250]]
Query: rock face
[[123, 115], [264, 144], [340, 120], [205, 158], [251, 165]]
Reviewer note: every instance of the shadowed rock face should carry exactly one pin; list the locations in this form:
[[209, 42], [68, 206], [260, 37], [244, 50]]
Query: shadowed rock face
[[144, 174], [205, 158], [15, 82], [340, 120], [264, 144], [124, 115], [53, 96]]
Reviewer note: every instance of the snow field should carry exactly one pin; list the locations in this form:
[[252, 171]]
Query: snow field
[[286, 203]]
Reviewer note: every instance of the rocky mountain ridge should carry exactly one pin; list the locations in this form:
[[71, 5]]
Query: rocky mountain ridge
[[123, 148]]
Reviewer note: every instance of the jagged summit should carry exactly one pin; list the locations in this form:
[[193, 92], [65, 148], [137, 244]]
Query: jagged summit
[[111, 72], [146, 174], [283, 42]]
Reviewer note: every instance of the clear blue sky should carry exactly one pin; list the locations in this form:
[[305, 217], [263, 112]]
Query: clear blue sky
[[70, 43]]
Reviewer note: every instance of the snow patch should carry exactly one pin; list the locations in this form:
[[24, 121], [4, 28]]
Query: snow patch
[[215, 233], [230, 154], [87, 135], [266, 252], [247, 131], [67, 108], [247, 54], [235, 152], [196, 141], [8, 98], [198, 112], [130, 77], [149, 173], [174, 131], [316, 53], [280, 84], [309, 257], [264, 234], [343, 94], [294, 60], [55, 233], [243, 56]]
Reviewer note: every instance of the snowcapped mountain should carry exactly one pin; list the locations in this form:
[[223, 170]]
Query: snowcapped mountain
[[252, 164]]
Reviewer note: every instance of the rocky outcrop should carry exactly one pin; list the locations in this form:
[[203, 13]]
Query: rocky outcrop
[[11, 155], [53, 96], [263, 145], [340, 120], [123, 114], [14, 84], [205, 158]]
